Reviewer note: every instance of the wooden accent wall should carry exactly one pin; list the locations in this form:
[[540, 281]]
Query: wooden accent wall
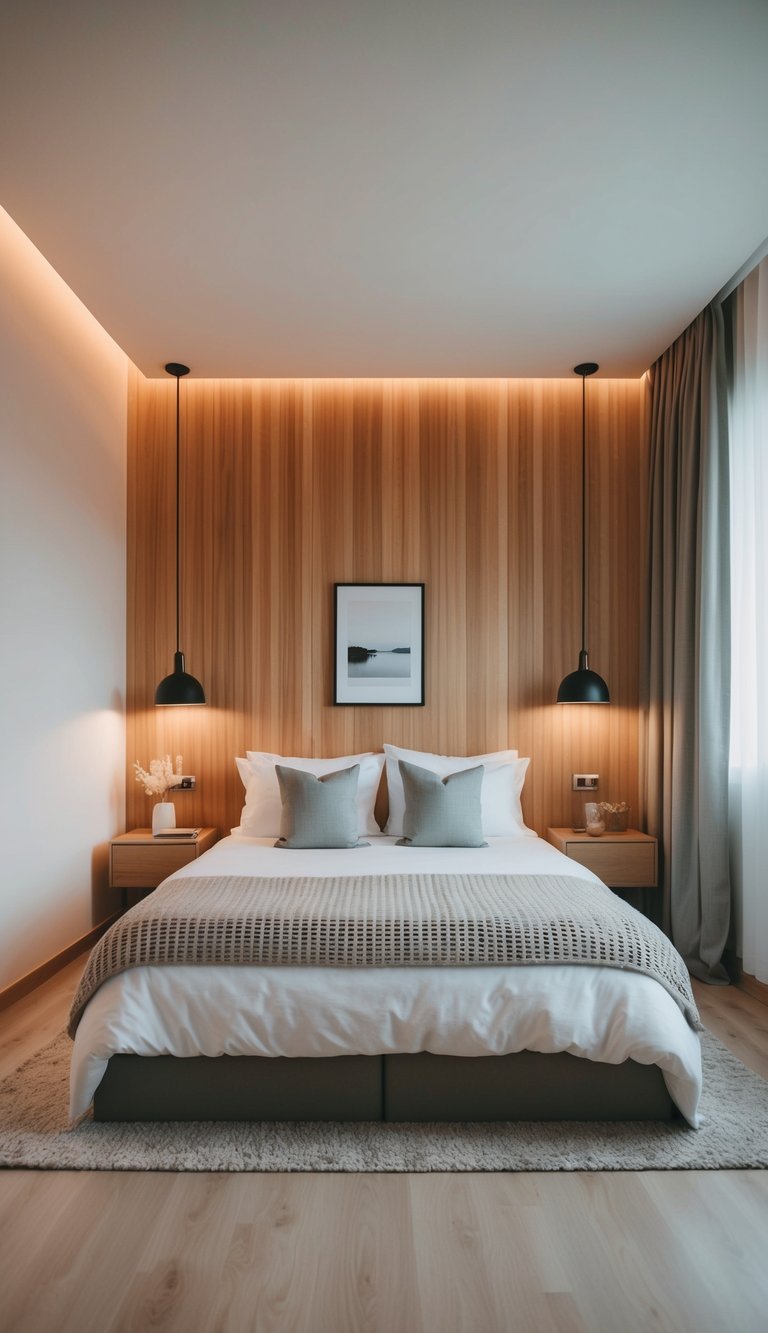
[[472, 487]]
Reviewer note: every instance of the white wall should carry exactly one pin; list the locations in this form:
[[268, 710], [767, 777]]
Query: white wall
[[63, 386]]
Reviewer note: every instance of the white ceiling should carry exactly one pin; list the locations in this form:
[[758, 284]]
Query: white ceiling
[[388, 187]]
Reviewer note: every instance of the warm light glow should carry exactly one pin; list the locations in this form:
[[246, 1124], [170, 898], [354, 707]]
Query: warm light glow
[[40, 289]]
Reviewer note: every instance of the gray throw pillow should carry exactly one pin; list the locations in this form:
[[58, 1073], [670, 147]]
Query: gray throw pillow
[[442, 812], [318, 811]]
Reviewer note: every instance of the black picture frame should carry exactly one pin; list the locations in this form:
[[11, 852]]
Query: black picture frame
[[379, 625]]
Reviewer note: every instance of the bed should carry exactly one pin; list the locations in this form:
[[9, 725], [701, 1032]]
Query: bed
[[536, 1040]]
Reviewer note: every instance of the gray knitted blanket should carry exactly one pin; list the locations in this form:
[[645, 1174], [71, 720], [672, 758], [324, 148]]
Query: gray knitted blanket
[[386, 921]]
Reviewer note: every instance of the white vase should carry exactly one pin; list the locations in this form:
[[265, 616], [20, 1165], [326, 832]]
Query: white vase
[[163, 816]]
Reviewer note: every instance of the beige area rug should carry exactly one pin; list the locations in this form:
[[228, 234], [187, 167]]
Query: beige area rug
[[34, 1133]]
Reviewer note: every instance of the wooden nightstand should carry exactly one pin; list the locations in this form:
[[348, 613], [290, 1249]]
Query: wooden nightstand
[[139, 861], [621, 860]]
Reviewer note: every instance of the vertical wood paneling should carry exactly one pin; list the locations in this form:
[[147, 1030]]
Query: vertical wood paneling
[[472, 487], [486, 523]]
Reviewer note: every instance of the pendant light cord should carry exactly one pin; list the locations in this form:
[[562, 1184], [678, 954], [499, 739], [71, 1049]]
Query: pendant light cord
[[180, 687], [583, 513], [178, 518], [584, 686]]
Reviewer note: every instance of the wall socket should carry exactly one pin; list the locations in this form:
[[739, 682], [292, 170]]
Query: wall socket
[[584, 781], [185, 783]]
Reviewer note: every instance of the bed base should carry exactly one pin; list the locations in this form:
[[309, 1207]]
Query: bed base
[[423, 1087]]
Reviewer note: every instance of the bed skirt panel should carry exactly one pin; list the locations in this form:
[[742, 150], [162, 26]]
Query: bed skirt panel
[[422, 1087]]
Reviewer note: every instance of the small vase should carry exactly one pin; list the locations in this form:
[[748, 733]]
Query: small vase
[[163, 816]]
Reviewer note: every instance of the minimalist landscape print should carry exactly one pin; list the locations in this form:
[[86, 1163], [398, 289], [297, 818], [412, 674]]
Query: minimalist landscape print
[[380, 631], [379, 643]]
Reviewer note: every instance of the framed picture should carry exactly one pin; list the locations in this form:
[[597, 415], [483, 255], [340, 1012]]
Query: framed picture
[[379, 643]]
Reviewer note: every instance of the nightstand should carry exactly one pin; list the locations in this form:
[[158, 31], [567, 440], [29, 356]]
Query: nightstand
[[621, 860], [139, 861]]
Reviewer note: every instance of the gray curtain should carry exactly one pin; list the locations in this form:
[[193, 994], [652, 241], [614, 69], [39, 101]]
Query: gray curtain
[[686, 666]]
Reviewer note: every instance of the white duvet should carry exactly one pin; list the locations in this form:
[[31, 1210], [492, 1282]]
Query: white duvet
[[593, 1012]]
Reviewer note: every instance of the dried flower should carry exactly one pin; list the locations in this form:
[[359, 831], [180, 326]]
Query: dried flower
[[160, 777]]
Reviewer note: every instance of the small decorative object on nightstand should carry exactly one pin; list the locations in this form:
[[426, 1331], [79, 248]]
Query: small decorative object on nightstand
[[163, 816], [615, 816], [626, 860], [595, 826], [139, 861], [158, 780]]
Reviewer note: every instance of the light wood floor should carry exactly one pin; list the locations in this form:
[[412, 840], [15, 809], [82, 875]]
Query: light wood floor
[[683, 1252]]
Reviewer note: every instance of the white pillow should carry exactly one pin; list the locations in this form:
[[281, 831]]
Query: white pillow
[[503, 779], [262, 812]]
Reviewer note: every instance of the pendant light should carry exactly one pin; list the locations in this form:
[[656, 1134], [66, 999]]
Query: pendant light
[[179, 687], [583, 686]]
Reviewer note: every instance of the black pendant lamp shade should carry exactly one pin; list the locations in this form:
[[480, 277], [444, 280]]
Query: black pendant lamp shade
[[179, 687], [583, 686]]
